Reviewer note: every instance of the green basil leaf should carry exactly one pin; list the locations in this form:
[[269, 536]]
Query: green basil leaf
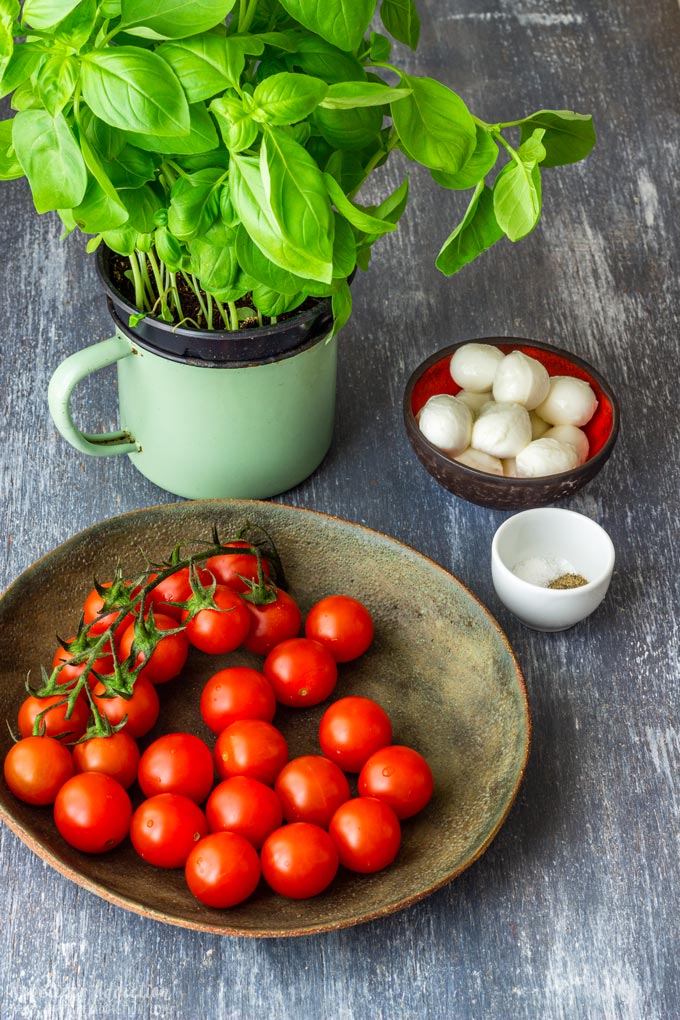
[[277, 40], [56, 82], [94, 165], [341, 304], [97, 211], [135, 90], [351, 94], [174, 19], [256, 264], [22, 64], [77, 28], [216, 267], [287, 98], [130, 168], [532, 151], [8, 15], [235, 123], [477, 167], [349, 129], [110, 9], [434, 125], [321, 59], [568, 138], [51, 159], [201, 64], [107, 141], [202, 136], [517, 198], [347, 168], [25, 97], [142, 205], [341, 22], [123, 241], [270, 302], [194, 203], [43, 14], [381, 48], [344, 248], [401, 20], [476, 232], [169, 249], [10, 168], [358, 217]]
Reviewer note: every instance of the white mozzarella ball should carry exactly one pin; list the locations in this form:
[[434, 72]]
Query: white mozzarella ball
[[510, 467], [570, 401], [473, 366], [502, 429], [447, 423], [475, 401], [545, 457], [480, 461], [538, 426], [575, 437], [521, 379]]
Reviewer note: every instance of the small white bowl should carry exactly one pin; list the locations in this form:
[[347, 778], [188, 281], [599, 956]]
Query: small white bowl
[[551, 537]]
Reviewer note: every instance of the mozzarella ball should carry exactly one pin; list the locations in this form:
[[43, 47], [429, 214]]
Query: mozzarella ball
[[502, 430], [575, 437], [480, 461], [521, 379], [447, 423], [475, 401], [545, 457], [510, 467], [538, 426], [473, 366], [570, 401]]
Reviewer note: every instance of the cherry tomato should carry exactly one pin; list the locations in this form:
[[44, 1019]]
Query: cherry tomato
[[117, 755], [36, 768], [55, 721], [93, 613], [168, 657], [272, 623], [92, 812], [220, 632], [245, 806], [226, 567], [399, 776], [175, 588], [311, 789], [236, 693], [222, 870], [302, 672], [177, 763], [352, 729], [342, 624], [299, 860], [366, 833], [253, 748], [142, 709], [165, 829], [69, 672]]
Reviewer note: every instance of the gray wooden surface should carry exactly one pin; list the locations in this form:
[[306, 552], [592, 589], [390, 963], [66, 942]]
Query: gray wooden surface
[[573, 911]]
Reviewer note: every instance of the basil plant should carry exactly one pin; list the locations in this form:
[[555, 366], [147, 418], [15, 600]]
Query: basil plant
[[220, 145]]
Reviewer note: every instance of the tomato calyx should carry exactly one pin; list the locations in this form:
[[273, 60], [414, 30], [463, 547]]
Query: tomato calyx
[[260, 592]]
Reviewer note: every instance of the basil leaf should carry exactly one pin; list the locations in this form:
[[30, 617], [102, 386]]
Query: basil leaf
[[477, 167], [194, 203], [235, 123], [434, 125], [216, 267], [142, 205], [287, 98], [77, 28], [201, 64], [321, 59], [135, 90], [344, 248], [347, 168], [256, 264], [106, 140], [169, 249], [476, 232], [10, 168], [381, 48], [358, 217], [202, 136], [51, 159], [568, 138], [97, 211], [130, 168], [21, 65], [8, 15], [123, 241], [341, 22], [342, 305], [56, 82], [401, 20], [517, 198], [43, 14], [173, 19], [349, 129], [271, 302], [351, 94]]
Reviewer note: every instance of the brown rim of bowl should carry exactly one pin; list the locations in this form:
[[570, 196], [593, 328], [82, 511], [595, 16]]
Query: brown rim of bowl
[[523, 483], [121, 901]]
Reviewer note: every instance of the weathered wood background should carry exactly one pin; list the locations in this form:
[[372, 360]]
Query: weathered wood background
[[573, 912]]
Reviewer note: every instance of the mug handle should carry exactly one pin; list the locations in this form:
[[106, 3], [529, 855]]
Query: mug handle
[[62, 384]]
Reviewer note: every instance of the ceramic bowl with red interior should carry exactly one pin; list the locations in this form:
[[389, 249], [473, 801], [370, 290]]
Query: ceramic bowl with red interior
[[509, 493]]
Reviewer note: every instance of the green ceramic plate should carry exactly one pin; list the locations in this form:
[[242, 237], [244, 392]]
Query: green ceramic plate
[[440, 666]]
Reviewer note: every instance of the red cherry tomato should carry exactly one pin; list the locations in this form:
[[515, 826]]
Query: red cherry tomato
[[93, 613], [399, 776], [245, 806], [352, 729], [366, 833], [36, 768], [175, 588], [168, 657], [177, 763], [236, 693], [302, 672], [272, 623], [229, 568], [92, 812], [251, 747], [165, 829], [69, 672], [117, 755], [142, 709], [54, 720], [218, 632], [311, 789], [342, 624], [222, 870], [299, 860]]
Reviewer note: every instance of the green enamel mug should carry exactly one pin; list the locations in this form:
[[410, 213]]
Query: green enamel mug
[[208, 414]]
